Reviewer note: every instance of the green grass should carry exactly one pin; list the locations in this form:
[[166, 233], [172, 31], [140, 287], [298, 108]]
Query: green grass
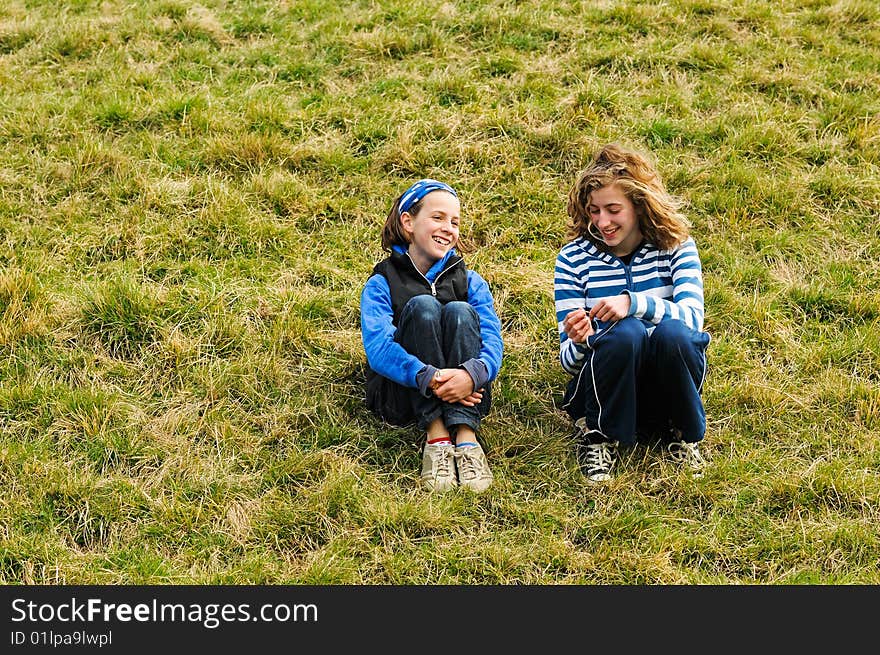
[[191, 198]]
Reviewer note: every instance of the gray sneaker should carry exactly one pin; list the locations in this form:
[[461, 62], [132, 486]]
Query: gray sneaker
[[438, 467], [689, 456], [473, 469]]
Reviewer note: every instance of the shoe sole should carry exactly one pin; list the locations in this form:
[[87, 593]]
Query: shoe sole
[[477, 489], [694, 473], [446, 486]]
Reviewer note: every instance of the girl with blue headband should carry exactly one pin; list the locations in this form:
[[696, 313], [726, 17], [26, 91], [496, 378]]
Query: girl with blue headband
[[432, 337]]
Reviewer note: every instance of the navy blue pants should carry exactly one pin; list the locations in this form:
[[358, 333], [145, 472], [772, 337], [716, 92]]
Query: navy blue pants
[[635, 383], [444, 336]]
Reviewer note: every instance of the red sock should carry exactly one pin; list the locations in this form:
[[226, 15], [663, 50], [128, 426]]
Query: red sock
[[440, 440]]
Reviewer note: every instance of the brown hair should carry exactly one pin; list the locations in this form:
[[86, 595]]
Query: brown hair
[[660, 219]]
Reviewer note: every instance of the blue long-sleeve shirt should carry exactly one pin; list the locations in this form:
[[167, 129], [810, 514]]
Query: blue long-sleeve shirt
[[389, 359], [661, 284]]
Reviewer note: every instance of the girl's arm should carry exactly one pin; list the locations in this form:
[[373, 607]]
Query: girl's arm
[[384, 355], [492, 348], [687, 292], [570, 292]]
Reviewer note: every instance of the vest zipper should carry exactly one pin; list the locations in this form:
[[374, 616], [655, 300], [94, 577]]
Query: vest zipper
[[431, 284]]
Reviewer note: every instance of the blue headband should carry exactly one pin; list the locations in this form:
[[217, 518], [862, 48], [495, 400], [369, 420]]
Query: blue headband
[[419, 190]]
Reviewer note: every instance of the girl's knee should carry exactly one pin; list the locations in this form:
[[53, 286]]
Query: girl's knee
[[459, 312], [422, 308], [672, 330], [675, 333], [627, 334]]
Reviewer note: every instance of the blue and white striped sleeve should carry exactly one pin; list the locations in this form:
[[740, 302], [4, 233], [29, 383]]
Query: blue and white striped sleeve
[[569, 291], [686, 304]]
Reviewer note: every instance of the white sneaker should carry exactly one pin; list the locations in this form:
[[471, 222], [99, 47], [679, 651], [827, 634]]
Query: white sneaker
[[473, 469], [438, 467]]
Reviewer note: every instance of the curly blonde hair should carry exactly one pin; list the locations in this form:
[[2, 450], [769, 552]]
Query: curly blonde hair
[[660, 219]]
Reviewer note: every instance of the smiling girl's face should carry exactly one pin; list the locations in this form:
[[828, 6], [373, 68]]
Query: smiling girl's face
[[613, 219], [433, 231]]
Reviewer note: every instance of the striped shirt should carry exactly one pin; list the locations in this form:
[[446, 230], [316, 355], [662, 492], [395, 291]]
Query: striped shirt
[[662, 284]]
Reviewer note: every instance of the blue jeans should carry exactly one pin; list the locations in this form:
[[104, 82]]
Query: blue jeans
[[444, 336], [633, 382]]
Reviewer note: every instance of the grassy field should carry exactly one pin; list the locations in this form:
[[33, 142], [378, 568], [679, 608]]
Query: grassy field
[[191, 198]]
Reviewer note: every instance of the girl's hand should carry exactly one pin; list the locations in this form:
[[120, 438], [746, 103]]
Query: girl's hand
[[577, 325], [454, 385], [474, 399], [611, 309]]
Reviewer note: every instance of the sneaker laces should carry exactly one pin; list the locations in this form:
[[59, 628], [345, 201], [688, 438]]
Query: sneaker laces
[[442, 463], [599, 456], [469, 465]]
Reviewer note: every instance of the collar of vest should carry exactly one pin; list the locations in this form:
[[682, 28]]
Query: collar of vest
[[401, 258]]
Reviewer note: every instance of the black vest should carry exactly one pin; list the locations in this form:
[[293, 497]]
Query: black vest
[[406, 281]]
